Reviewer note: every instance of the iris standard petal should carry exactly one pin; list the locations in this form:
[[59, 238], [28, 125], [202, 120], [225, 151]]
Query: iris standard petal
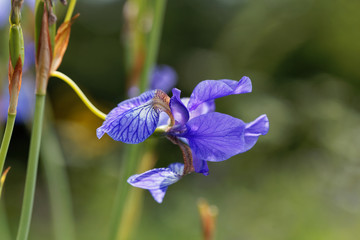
[[178, 109], [211, 89], [133, 120], [215, 136], [254, 129]]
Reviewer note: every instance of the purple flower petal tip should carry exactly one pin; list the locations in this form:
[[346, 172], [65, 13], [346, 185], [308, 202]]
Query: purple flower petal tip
[[259, 126], [178, 109], [254, 129], [211, 89], [157, 180], [200, 166]]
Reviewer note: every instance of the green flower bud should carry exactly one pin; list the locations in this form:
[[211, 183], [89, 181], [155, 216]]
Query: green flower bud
[[16, 44]]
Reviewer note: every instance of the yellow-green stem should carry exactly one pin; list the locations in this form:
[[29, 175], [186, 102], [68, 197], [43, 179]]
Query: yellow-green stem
[[70, 10], [153, 45], [6, 140], [132, 160], [30, 182], [78, 91], [4, 225]]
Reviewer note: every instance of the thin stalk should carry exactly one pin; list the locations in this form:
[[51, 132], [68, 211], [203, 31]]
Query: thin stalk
[[53, 162], [31, 173], [4, 225], [6, 139], [133, 158], [134, 201], [153, 45], [128, 168], [70, 10], [80, 93]]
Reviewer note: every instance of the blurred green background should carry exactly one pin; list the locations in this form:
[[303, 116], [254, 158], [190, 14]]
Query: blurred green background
[[301, 181]]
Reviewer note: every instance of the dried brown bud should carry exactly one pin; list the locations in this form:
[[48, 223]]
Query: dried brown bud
[[15, 77], [43, 55], [208, 216], [61, 42]]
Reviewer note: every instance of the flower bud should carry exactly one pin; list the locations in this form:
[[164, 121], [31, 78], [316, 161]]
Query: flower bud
[[16, 53], [44, 47], [15, 14]]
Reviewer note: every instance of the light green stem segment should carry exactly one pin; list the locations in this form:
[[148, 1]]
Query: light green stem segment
[[31, 173], [4, 225], [70, 10], [53, 161], [153, 45], [132, 158], [6, 140], [78, 91]]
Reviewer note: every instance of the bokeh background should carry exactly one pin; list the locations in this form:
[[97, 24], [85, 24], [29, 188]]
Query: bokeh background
[[301, 181]]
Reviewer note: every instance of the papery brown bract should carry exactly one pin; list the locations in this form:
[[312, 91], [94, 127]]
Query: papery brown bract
[[61, 42]]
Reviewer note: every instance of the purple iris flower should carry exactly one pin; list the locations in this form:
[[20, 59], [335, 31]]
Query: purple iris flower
[[191, 123], [163, 77], [157, 180]]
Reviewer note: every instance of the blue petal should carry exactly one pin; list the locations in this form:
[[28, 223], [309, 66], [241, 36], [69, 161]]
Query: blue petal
[[200, 166], [211, 89], [163, 77], [177, 168], [157, 180], [253, 130], [132, 121], [5, 7], [158, 194], [178, 109], [215, 136]]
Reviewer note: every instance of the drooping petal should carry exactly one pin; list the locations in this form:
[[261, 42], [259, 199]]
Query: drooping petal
[[157, 180], [158, 194], [178, 109], [134, 120], [215, 136], [200, 166], [254, 129], [211, 89]]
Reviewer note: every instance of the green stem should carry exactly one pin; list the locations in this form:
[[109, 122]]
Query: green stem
[[6, 140], [70, 10], [154, 42], [4, 225], [133, 158], [53, 162], [129, 166], [33, 160]]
